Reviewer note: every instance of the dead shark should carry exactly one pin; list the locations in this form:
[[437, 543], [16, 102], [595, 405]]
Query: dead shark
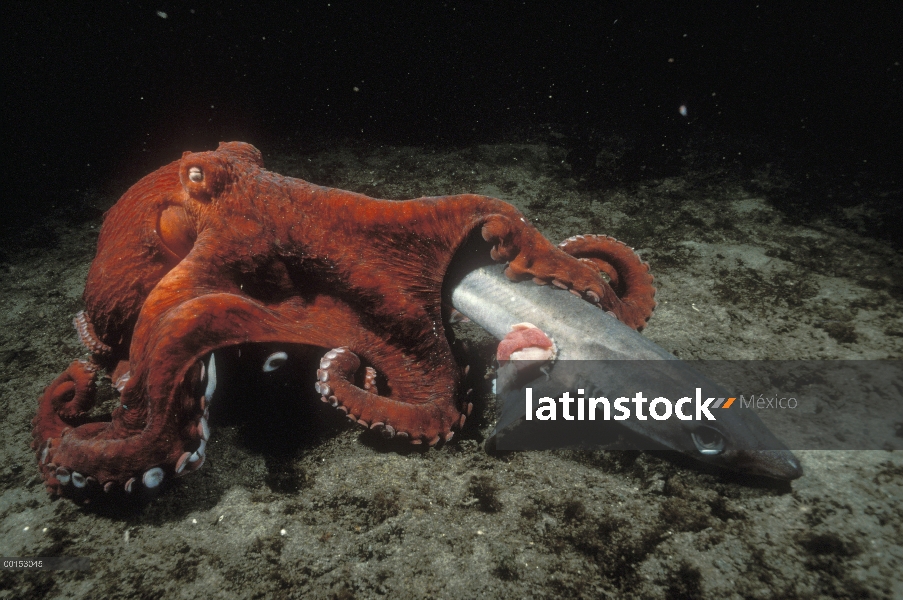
[[588, 341]]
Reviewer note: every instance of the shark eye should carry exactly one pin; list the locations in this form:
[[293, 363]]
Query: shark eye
[[708, 441]]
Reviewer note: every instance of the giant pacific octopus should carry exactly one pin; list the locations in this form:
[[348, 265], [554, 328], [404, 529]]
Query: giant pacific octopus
[[213, 251]]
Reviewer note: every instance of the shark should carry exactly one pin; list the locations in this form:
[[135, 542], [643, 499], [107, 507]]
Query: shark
[[599, 354]]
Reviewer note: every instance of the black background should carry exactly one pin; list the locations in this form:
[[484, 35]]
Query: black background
[[103, 91]]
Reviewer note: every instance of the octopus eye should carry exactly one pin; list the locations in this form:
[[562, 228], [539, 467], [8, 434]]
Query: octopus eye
[[195, 174]]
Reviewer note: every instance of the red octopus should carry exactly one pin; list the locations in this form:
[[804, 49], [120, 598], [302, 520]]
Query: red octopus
[[213, 251]]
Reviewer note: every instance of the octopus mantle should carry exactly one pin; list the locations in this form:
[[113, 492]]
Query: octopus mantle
[[213, 251]]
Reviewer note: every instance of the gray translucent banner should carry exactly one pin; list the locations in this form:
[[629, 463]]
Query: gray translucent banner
[[805, 405]]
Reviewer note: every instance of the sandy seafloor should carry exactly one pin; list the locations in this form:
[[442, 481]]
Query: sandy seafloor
[[333, 513]]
